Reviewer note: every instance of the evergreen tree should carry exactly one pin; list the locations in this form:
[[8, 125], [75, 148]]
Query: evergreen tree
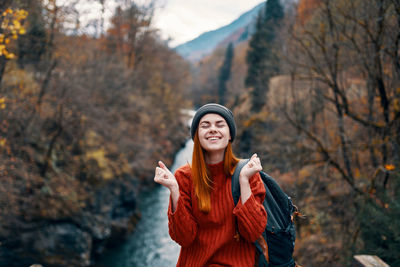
[[262, 57], [225, 73], [380, 226]]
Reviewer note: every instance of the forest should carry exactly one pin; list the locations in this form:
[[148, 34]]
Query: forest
[[85, 115]]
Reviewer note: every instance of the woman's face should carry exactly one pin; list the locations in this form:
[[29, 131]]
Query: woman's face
[[213, 133]]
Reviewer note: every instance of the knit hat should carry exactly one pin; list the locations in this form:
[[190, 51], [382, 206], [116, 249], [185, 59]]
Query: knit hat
[[217, 109]]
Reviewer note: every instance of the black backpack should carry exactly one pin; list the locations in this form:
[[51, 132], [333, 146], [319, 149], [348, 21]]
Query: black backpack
[[276, 246]]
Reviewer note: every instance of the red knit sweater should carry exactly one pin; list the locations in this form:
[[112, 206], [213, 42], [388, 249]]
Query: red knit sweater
[[207, 239]]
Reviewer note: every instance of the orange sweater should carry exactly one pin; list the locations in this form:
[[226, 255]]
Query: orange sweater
[[208, 239]]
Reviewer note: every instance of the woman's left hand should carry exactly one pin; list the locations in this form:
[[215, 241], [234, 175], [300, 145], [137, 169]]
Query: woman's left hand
[[251, 168]]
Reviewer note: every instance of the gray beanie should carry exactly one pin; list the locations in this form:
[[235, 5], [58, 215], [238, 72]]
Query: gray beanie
[[217, 109]]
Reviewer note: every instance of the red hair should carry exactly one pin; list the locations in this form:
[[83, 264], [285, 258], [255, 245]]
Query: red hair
[[201, 178]]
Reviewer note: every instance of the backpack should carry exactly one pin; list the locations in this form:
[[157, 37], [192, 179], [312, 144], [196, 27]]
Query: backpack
[[275, 247]]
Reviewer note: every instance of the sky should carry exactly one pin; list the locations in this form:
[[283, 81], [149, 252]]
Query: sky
[[184, 20], [178, 20]]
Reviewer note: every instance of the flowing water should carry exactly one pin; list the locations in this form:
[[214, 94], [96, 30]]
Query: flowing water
[[150, 244]]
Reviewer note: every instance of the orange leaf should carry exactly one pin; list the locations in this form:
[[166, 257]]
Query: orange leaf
[[389, 167]]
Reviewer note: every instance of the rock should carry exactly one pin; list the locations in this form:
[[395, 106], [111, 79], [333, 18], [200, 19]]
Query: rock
[[62, 244], [108, 219]]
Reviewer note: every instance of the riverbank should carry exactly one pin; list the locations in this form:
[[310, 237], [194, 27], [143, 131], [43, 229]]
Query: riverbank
[[104, 216], [150, 243], [72, 241]]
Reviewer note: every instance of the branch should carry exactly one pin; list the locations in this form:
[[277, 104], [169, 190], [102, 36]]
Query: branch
[[324, 152], [53, 141], [352, 115]]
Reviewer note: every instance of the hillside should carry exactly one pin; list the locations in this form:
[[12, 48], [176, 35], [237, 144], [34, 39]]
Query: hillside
[[237, 31]]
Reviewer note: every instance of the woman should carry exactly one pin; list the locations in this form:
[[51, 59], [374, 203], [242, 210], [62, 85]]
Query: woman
[[202, 217]]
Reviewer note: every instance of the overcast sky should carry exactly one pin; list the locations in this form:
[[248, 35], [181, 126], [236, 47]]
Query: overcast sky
[[179, 20], [184, 20]]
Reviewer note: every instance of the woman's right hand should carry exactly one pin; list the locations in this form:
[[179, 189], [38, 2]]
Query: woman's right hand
[[165, 177]]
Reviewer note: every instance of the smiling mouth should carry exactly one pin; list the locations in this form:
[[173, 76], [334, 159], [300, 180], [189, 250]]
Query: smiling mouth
[[213, 138]]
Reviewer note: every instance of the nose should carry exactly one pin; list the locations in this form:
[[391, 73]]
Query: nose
[[212, 128]]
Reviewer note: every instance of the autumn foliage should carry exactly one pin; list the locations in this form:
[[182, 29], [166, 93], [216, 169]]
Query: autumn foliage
[[329, 129], [83, 121]]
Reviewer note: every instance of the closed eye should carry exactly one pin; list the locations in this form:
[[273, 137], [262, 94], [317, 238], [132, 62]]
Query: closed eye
[[204, 124], [221, 124]]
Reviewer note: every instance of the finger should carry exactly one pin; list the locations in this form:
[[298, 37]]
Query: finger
[[162, 165], [255, 158], [159, 180], [252, 160], [160, 175], [159, 171]]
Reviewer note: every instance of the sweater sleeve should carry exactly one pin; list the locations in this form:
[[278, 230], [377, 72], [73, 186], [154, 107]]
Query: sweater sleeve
[[181, 223], [251, 216]]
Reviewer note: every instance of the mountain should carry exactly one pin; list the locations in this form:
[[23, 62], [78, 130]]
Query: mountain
[[237, 31]]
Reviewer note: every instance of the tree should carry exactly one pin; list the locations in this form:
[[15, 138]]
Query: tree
[[32, 46], [343, 105], [225, 73], [81, 122], [129, 28], [11, 21], [262, 57]]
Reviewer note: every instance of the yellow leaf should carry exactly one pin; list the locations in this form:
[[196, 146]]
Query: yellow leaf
[[10, 56], [2, 142], [17, 24], [22, 14]]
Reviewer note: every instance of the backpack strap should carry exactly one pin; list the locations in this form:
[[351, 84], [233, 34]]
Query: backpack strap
[[236, 190], [262, 255], [235, 180]]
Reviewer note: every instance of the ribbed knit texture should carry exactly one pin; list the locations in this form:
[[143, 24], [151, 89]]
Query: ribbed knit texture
[[208, 239]]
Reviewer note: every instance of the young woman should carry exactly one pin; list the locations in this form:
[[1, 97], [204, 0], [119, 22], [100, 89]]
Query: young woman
[[202, 217]]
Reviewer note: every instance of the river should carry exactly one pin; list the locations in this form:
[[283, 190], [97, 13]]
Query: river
[[150, 244]]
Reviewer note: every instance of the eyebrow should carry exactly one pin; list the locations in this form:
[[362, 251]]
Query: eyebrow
[[217, 122]]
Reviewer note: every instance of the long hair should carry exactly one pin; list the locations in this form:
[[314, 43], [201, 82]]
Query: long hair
[[200, 174]]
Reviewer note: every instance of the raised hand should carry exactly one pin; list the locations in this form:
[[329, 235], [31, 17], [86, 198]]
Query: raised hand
[[165, 177], [251, 168]]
